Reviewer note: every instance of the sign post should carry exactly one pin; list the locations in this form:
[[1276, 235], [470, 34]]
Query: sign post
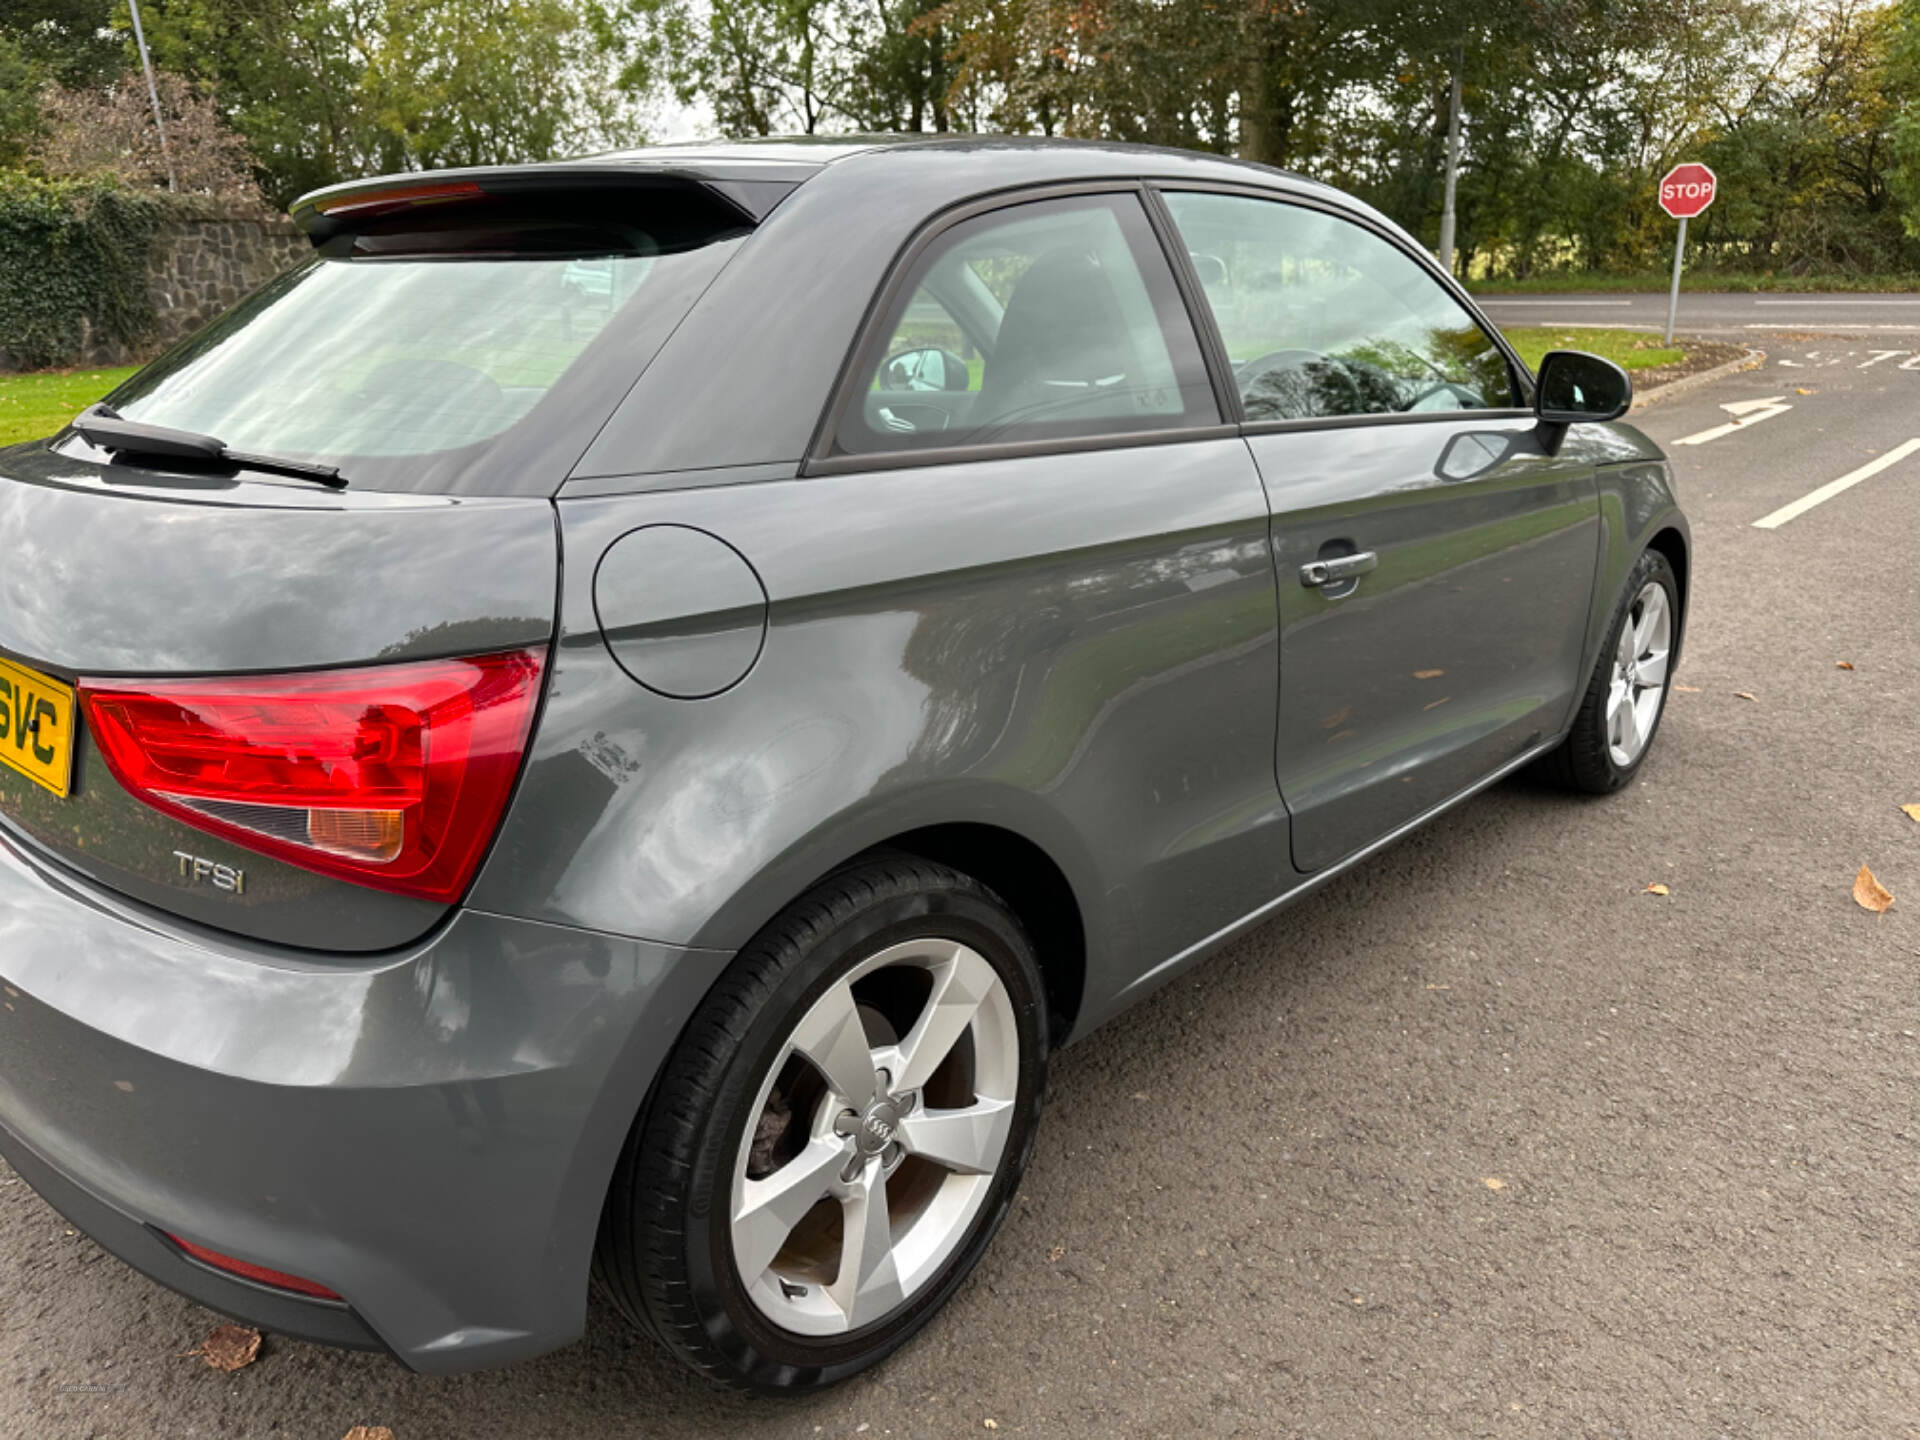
[[1685, 191]]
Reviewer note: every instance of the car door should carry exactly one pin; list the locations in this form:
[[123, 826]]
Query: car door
[[1434, 557], [1082, 538]]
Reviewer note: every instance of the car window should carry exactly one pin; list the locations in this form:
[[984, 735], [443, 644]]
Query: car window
[[1048, 320], [1321, 316]]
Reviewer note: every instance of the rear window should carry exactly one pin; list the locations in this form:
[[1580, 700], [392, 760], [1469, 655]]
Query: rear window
[[404, 356]]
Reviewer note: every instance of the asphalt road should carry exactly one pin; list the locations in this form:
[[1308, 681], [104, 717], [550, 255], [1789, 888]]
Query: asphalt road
[[1479, 1140], [1751, 317]]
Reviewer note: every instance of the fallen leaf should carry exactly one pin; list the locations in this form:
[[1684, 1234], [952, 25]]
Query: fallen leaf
[[369, 1432], [1055, 1255], [1801, 390], [1427, 674], [1655, 889], [1843, 664], [1744, 695], [1493, 1184], [1869, 893], [1688, 689], [1913, 812], [231, 1348], [990, 1423]]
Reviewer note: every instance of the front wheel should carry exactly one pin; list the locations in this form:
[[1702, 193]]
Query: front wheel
[[839, 1133], [1627, 693]]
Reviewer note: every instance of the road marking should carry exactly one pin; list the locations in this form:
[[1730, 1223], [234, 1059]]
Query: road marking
[[1490, 300], [1878, 356], [1912, 362], [1850, 326], [1834, 487], [1745, 413], [1837, 300]]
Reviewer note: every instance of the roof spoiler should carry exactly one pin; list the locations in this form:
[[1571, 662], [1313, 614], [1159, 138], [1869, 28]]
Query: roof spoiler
[[342, 209]]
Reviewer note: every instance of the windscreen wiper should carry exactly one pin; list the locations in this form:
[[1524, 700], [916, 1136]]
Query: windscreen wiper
[[102, 426]]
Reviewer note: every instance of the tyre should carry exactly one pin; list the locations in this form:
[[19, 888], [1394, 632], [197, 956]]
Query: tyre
[[1620, 712], [837, 1135]]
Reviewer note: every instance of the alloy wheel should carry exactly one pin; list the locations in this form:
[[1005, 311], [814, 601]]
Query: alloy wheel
[[878, 1130], [1639, 681]]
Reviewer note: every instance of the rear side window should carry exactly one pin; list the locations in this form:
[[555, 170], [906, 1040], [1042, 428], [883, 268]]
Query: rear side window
[[393, 351], [1322, 317], [1055, 319]]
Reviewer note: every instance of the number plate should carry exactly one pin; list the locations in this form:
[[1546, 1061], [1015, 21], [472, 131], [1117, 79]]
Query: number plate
[[36, 726]]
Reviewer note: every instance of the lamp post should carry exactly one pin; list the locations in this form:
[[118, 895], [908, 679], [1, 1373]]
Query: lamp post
[[153, 92]]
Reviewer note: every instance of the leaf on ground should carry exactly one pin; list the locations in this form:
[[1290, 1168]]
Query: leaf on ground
[[1655, 889], [1688, 689], [1494, 1184], [369, 1432], [1428, 674], [1913, 812], [1843, 664], [1801, 390], [1055, 1255], [1869, 893], [1745, 695], [231, 1348]]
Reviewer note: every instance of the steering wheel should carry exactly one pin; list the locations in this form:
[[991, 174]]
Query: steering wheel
[[1456, 391], [1313, 363]]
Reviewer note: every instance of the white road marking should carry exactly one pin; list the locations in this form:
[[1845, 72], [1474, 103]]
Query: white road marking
[[1834, 487], [1912, 362], [1496, 300], [1849, 325], [1878, 356], [1839, 300], [1745, 413]]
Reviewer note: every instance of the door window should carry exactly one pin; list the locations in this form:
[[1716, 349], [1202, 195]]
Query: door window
[[1323, 317], [1055, 319]]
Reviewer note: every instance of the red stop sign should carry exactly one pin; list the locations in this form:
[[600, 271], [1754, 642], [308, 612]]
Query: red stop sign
[[1686, 190]]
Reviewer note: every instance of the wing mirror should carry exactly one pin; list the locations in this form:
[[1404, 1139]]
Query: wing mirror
[[930, 369], [1574, 386]]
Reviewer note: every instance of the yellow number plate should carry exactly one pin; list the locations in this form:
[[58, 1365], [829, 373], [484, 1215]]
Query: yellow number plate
[[36, 726]]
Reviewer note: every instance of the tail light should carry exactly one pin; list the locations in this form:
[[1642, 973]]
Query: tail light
[[392, 776]]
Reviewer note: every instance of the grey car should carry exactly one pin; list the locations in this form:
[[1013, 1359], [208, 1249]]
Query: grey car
[[606, 725]]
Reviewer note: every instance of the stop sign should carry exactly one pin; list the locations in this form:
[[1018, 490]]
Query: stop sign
[[1686, 190]]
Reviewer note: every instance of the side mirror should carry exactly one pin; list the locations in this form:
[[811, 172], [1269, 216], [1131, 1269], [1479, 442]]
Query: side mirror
[[928, 369], [1574, 386]]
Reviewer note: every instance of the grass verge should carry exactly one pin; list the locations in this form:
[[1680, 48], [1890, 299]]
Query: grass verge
[[40, 402], [1629, 349]]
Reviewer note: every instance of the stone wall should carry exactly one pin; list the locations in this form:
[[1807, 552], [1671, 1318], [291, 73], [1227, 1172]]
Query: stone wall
[[199, 267]]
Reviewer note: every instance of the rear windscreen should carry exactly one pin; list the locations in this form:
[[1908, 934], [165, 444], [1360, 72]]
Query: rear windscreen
[[402, 356]]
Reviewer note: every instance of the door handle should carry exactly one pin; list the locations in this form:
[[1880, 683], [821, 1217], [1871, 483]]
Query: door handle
[[1340, 567]]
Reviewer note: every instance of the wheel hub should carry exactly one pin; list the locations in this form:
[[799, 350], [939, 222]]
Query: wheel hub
[[879, 1125]]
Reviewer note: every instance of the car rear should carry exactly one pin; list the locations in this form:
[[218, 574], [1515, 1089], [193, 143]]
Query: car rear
[[257, 736]]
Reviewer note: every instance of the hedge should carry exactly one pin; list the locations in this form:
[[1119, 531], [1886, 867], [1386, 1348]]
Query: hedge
[[73, 266]]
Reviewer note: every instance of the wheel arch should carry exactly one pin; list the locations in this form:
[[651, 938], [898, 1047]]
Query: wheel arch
[[1672, 544]]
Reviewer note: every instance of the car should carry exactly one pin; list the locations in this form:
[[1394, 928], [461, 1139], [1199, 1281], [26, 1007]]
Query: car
[[610, 722]]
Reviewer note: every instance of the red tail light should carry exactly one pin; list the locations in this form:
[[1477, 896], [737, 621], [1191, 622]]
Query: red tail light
[[393, 776]]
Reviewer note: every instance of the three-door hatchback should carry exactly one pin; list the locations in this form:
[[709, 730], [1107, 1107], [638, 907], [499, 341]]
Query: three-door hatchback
[[608, 723]]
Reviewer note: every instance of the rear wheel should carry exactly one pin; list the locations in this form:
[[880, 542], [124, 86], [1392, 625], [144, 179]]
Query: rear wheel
[[1627, 693], [839, 1133]]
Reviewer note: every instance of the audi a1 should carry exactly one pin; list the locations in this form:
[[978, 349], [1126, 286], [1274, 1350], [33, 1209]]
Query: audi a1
[[609, 722]]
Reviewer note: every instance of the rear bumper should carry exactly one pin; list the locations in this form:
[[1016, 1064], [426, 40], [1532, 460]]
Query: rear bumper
[[427, 1133]]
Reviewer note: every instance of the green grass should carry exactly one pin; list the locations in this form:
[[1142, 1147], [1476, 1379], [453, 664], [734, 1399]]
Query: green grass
[[1703, 281], [39, 403], [1629, 349]]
